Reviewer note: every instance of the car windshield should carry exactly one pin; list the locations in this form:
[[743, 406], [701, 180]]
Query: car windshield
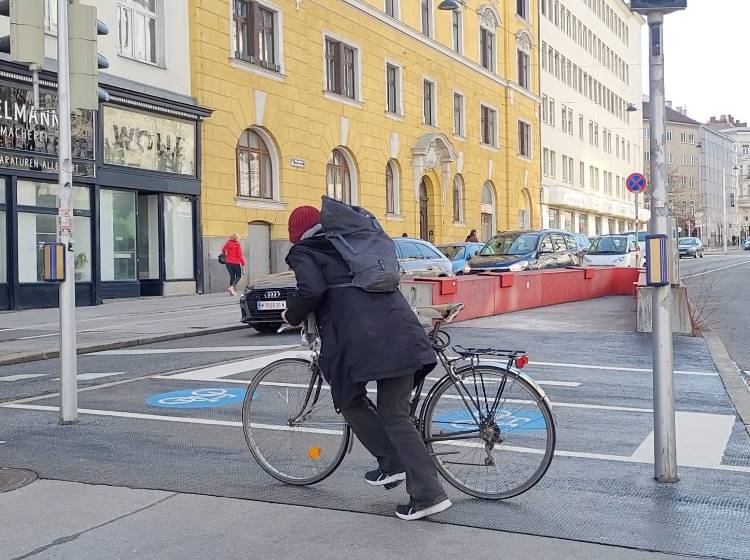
[[511, 244], [689, 241], [453, 252], [615, 245]]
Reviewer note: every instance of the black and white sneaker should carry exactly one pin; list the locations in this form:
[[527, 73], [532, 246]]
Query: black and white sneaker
[[389, 480], [410, 512]]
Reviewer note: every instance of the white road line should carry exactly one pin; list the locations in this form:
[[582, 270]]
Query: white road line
[[120, 325], [215, 373], [539, 381], [614, 368], [714, 270], [90, 376], [21, 377], [193, 350], [701, 439], [209, 422]]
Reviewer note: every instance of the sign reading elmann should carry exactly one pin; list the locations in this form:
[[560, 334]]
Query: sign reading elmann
[[30, 136], [148, 141]]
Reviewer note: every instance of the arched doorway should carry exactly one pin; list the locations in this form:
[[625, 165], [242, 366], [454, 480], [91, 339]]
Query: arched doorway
[[424, 216], [488, 211]]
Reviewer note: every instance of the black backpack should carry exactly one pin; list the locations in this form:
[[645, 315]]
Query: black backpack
[[360, 240]]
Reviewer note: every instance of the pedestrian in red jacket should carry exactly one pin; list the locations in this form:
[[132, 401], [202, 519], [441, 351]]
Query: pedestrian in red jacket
[[234, 260]]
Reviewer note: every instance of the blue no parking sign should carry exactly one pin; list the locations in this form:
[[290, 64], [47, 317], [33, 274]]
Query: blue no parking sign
[[636, 183], [198, 398]]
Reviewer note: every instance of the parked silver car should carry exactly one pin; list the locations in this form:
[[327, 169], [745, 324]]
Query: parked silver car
[[421, 258]]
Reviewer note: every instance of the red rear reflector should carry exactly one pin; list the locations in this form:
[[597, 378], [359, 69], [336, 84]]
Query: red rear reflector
[[522, 361]]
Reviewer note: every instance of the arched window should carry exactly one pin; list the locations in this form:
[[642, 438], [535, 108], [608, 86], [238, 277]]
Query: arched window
[[458, 199], [254, 169], [392, 187], [338, 177], [488, 24]]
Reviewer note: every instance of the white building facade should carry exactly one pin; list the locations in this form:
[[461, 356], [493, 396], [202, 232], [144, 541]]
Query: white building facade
[[136, 164], [591, 141]]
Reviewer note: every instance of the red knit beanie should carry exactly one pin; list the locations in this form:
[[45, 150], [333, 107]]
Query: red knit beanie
[[300, 220]]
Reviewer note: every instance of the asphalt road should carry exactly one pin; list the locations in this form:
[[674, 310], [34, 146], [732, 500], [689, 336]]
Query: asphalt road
[[599, 488], [719, 295]]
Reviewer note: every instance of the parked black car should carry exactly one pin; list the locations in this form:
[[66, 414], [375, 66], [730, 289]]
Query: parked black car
[[265, 299], [526, 250]]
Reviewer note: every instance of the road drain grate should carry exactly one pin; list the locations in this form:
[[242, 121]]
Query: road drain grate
[[13, 479]]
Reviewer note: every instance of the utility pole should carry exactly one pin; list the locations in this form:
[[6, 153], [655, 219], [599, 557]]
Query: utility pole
[[68, 357], [665, 433]]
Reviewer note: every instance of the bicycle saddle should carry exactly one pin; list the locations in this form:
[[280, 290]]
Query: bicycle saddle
[[446, 312]]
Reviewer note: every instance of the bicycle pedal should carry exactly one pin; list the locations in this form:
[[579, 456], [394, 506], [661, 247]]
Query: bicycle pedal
[[392, 485]]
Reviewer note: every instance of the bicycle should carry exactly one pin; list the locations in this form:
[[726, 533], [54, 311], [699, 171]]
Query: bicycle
[[492, 448]]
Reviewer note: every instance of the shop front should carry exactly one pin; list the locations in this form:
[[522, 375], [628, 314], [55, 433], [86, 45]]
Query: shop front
[[135, 196]]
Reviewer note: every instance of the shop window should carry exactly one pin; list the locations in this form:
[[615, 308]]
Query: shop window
[[137, 26], [3, 237], [117, 226], [37, 224], [254, 169], [178, 237], [339, 177]]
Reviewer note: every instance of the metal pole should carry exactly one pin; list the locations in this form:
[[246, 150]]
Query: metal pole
[[637, 221], [68, 365], [724, 206], [665, 440]]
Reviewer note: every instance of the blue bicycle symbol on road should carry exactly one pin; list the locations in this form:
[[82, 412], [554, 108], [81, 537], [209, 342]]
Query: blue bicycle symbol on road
[[198, 398]]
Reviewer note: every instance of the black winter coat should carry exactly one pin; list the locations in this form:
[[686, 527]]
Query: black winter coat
[[365, 336]]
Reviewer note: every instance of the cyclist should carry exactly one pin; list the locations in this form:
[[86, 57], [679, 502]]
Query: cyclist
[[365, 337]]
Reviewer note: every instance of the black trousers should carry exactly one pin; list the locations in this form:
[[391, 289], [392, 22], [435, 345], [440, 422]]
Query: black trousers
[[235, 273], [389, 434]]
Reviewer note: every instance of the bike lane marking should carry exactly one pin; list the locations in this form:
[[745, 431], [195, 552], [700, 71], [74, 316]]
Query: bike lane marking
[[229, 423]]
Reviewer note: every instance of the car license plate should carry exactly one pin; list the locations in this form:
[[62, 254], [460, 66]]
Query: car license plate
[[271, 305]]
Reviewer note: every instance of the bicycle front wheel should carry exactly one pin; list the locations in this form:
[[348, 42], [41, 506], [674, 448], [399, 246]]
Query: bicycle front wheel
[[291, 425], [492, 435]]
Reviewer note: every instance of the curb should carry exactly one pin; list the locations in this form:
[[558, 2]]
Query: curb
[[730, 376], [20, 358]]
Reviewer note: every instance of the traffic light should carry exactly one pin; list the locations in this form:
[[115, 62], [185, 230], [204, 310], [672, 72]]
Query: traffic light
[[85, 61], [645, 6], [26, 40]]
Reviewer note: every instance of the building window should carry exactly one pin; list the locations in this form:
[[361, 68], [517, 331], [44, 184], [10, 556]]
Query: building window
[[523, 57], [256, 34], [137, 23], [554, 218], [457, 27], [338, 177], [392, 190], [428, 103], [458, 114], [553, 163], [392, 8], [254, 170], [50, 18], [522, 8], [489, 126], [426, 15], [341, 68], [393, 89], [582, 174], [669, 135], [545, 162], [524, 139], [117, 226], [564, 118], [551, 112], [178, 237], [458, 199], [487, 49]]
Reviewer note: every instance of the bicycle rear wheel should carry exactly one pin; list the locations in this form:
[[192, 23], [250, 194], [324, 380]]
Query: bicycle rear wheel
[[291, 426], [492, 456]]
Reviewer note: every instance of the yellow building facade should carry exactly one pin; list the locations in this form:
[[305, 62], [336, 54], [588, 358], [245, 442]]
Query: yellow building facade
[[428, 118]]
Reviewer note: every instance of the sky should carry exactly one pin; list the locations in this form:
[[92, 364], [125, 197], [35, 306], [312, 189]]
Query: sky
[[705, 58]]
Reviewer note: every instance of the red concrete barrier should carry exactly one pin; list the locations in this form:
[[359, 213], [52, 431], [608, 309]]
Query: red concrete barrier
[[490, 294]]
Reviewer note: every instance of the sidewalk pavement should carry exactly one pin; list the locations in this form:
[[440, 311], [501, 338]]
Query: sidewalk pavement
[[33, 335], [103, 523]]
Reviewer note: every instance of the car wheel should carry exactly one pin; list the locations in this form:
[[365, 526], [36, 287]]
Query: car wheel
[[267, 328]]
